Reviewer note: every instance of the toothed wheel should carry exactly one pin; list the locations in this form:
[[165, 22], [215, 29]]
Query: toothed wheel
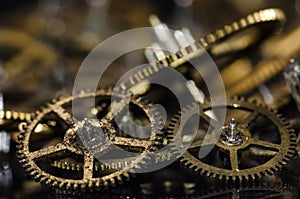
[[224, 151], [79, 138]]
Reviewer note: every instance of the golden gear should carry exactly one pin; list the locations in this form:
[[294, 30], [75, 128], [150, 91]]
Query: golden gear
[[33, 158], [247, 125], [213, 42]]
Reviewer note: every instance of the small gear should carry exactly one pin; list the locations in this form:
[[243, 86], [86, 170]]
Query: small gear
[[228, 147], [35, 157]]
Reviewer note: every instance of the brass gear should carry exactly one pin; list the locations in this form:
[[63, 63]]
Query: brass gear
[[208, 42], [32, 159], [229, 156], [211, 40]]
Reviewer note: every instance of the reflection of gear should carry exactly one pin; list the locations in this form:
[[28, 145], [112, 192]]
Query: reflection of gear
[[229, 155], [33, 159], [252, 190]]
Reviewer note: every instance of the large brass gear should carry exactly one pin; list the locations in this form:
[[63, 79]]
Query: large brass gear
[[229, 156], [36, 161]]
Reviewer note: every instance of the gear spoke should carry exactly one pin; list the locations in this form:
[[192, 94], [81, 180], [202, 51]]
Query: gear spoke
[[234, 160], [250, 118], [47, 151], [88, 166], [265, 144]]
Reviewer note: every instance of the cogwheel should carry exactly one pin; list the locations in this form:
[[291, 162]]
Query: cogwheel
[[251, 190], [215, 41], [220, 42], [228, 147], [35, 157]]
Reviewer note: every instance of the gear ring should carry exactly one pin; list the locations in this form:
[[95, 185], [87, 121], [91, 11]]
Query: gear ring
[[231, 158], [88, 179]]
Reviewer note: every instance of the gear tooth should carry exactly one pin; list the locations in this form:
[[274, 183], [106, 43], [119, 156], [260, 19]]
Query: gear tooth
[[55, 184], [32, 172], [28, 169], [98, 184], [61, 185], [42, 179], [68, 185], [37, 177]]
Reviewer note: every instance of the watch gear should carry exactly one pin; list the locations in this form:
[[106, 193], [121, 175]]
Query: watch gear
[[190, 50], [35, 157], [247, 125], [214, 41]]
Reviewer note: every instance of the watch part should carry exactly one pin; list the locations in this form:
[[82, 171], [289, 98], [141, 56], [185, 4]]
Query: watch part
[[228, 146]]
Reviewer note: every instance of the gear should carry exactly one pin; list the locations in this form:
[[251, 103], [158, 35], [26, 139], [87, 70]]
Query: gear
[[35, 159], [228, 147], [214, 42]]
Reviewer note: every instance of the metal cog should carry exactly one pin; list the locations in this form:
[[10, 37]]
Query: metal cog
[[247, 125], [32, 159]]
